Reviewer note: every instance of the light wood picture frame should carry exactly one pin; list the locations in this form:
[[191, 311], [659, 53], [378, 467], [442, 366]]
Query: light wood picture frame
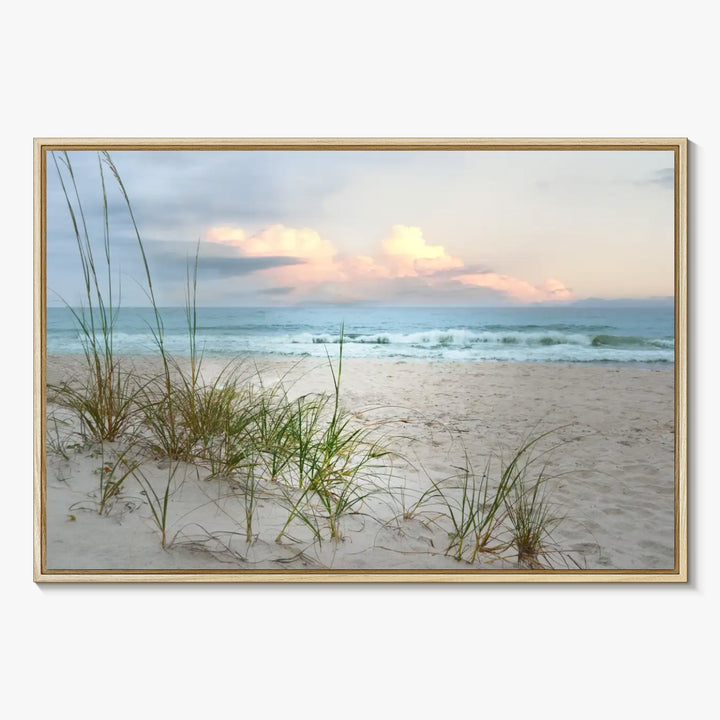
[[360, 360]]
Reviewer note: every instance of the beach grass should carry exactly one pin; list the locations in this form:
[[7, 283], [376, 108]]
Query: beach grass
[[113, 473], [473, 505], [482, 509], [157, 501], [336, 462], [105, 399], [531, 519], [57, 441]]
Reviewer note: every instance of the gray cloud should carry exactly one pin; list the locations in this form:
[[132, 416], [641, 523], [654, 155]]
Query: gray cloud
[[471, 268], [664, 178], [171, 265], [284, 290], [178, 192]]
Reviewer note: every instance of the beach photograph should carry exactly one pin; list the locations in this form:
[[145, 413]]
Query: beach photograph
[[447, 360]]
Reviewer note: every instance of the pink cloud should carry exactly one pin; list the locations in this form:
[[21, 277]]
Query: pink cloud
[[557, 289], [517, 289], [317, 255], [274, 240], [404, 253]]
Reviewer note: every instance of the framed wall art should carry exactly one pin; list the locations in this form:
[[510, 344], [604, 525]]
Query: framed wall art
[[426, 360]]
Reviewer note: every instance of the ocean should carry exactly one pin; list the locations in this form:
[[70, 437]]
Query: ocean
[[567, 334]]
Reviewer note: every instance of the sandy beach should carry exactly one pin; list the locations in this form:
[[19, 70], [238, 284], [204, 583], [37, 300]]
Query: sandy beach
[[609, 461]]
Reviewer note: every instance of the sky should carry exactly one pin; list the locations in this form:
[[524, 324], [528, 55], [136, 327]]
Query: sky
[[477, 227]]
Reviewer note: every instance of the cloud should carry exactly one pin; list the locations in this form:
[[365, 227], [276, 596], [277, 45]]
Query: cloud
[[174, 266], [285, 290], [274, 240], [406, 254], [314, 255], [310, 267], [664, 178], [403, 253], [556, 289], [517, 289]]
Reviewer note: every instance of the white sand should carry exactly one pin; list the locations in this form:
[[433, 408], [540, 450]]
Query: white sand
[[613, 473]]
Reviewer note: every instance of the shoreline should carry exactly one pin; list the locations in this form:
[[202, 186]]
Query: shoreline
[[220, 356]]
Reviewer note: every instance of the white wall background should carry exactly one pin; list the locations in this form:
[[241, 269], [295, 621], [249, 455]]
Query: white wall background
[[366, 69]]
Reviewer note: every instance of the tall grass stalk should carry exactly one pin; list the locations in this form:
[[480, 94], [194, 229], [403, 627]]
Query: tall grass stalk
[[158, 330], [158, 502], [250, 488], [105, 401], [191, 317]]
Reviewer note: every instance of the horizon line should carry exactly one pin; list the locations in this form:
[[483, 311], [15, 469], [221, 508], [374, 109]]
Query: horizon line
[[662, 299]]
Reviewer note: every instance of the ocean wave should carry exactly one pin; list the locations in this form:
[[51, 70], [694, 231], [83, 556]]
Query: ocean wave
[[508, 344], [468, 338], [631, 342]]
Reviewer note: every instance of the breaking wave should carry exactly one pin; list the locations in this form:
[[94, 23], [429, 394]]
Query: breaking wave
[[587, 340]]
